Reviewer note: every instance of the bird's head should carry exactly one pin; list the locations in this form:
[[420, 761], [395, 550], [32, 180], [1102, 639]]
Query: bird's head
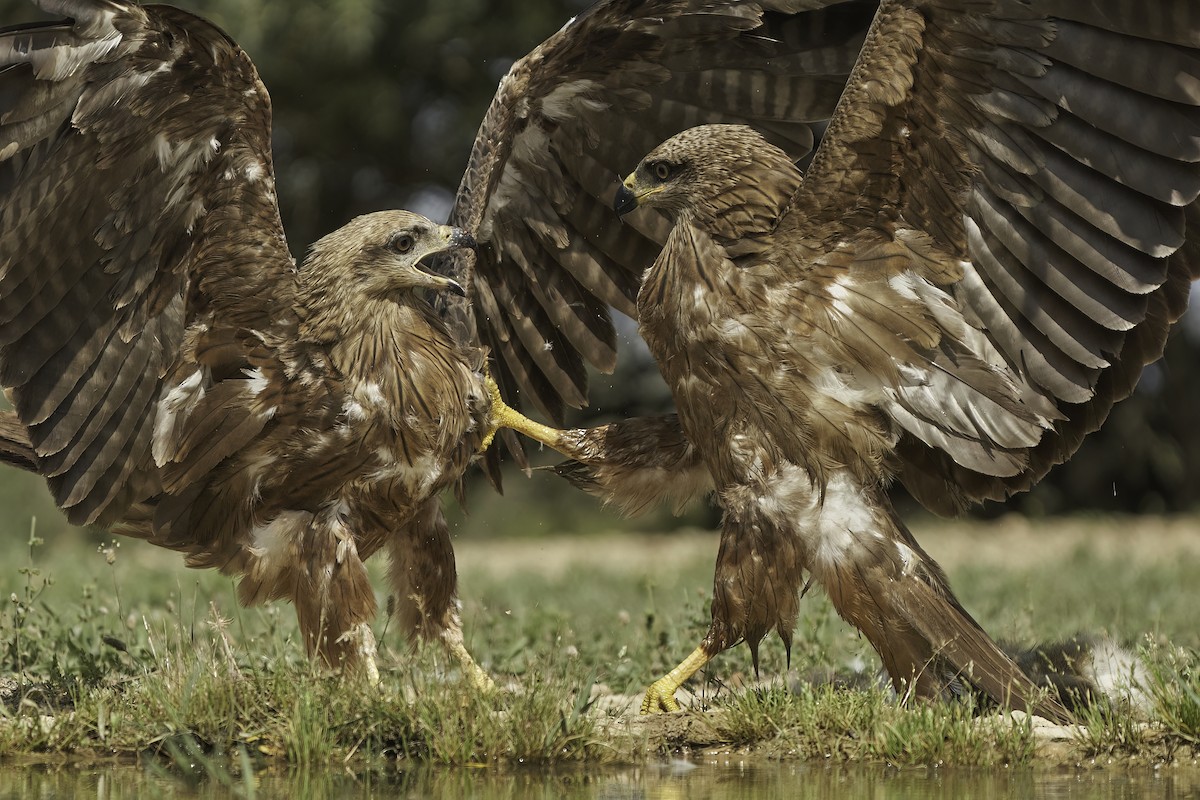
[[370, 266], [381, 255], [708, 171]]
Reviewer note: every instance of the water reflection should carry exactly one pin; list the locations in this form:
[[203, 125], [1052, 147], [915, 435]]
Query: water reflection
[[712, 779]]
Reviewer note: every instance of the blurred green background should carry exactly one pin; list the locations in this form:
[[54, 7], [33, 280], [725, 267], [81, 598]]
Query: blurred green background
[[376, 106]]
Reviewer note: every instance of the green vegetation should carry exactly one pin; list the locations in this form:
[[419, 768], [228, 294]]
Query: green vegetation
[[826, 723], [112, 648]]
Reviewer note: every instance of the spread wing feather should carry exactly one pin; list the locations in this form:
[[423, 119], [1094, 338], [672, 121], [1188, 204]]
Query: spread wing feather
[[123, 225], [1051, 154], [586, 105]]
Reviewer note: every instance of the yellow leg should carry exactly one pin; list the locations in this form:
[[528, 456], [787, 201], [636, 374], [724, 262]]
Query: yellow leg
[[661, 694], [475, 674], [504, 416], [363, 641]]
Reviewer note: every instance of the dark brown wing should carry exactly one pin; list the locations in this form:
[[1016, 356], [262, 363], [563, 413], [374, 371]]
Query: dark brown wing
[[585, 106], [1040, 162], [136, 205]]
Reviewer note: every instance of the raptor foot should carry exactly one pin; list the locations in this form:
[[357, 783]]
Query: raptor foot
[[505, 416], [474, 673], [660, 696]]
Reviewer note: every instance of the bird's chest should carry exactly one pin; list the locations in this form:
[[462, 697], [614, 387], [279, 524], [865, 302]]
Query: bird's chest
[[415, 427], [693, 367], [680, 316], [709, 331], [733, 346]]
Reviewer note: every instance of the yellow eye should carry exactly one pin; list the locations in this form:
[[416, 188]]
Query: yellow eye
[[662, 171], [402, 243]]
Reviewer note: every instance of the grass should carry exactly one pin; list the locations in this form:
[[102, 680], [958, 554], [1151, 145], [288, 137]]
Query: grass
[[113, 649], [1175, 690], [835, 724]]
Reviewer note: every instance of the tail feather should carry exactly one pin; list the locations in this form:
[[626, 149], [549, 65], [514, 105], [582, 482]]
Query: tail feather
[[953, 647], [898, 596], [1082, 671]]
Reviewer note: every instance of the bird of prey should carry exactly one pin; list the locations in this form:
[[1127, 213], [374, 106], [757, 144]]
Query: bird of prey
[[993, 238], [176, 376]]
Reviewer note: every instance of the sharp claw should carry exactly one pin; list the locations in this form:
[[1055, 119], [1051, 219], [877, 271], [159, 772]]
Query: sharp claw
[[660, 698]]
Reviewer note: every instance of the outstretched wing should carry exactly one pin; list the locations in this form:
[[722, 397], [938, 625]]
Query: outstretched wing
[[586, 105], [1020, 181], [136, 205]]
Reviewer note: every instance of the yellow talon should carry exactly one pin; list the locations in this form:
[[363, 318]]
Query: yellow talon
[[660, 696], [482, 682], [497, 412], [473, 672], [504, 416]]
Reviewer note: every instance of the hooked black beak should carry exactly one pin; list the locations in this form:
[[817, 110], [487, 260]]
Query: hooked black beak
[[625, 201]]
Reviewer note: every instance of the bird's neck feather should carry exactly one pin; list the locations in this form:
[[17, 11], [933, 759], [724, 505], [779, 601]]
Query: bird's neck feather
[[374, 339], [748, 203], [387, 337]]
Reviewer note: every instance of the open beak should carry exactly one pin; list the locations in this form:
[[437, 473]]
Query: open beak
[[442, 284], [453, 239]]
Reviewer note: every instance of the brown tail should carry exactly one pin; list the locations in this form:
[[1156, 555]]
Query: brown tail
[[1082, 671], [15, 447], [930, 646]]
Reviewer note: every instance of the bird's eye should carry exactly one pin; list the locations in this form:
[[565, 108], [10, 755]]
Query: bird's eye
[[662, 170], [402, 243]]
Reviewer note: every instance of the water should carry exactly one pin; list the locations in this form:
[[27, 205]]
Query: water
[[724, 778]]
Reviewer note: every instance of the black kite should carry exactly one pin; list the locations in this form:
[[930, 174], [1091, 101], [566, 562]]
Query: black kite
[[993, 238]]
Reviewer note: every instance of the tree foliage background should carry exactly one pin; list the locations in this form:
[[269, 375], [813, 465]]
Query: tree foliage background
[[376, 104]]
